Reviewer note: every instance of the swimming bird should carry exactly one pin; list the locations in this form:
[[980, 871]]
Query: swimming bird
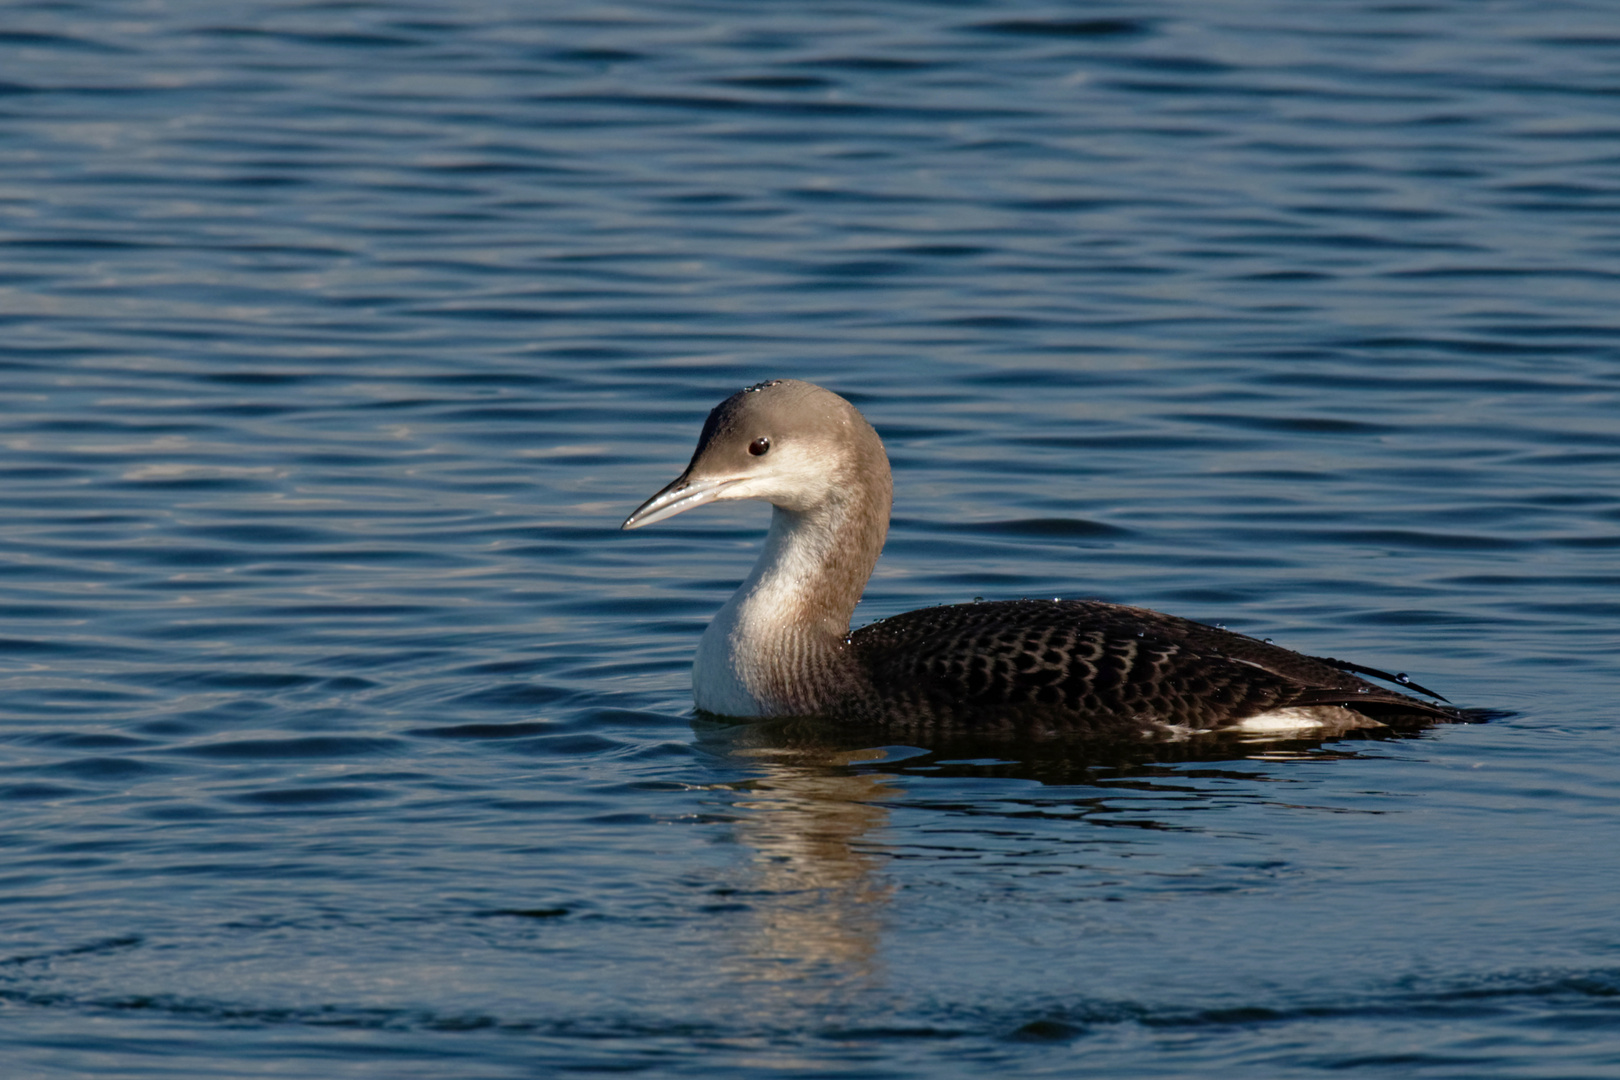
[[782, 646]]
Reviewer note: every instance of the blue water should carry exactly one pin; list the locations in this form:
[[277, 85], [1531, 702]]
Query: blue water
[[343, 735]]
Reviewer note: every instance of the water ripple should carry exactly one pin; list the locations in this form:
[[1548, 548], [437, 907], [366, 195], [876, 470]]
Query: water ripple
[[341, 724]]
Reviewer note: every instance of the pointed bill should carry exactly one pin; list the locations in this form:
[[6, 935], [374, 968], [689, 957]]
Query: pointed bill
[[681, 495]]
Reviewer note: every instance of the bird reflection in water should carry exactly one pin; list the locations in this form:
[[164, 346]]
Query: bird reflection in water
[[814, 881], [813, 820]]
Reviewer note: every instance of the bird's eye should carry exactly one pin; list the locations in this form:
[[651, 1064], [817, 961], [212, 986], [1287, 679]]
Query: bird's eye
[[759, 446]]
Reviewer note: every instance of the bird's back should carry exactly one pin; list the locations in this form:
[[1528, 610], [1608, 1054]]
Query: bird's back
[[1088, 665]]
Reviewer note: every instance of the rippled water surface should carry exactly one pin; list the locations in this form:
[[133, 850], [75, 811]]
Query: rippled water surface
[[344, 735]]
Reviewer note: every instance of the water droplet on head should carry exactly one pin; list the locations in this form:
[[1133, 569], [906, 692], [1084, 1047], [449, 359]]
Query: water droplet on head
[[1402, 677]]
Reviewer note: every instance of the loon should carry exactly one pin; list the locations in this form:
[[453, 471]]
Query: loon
[[781, 646]]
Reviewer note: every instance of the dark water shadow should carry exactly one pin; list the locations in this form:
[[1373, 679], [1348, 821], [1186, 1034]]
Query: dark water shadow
[[1022, 753]]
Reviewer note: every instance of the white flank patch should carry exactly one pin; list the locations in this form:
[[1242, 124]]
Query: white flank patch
[[1315, 719], [1281, 720]]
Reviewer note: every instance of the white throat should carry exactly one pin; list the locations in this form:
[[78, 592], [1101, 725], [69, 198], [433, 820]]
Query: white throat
[[760, 655]]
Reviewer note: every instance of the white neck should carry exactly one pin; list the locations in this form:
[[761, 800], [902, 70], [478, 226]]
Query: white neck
[[776, 648]]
